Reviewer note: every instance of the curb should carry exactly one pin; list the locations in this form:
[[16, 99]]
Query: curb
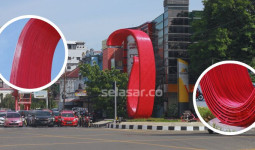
[[95, 125], [157, 128]]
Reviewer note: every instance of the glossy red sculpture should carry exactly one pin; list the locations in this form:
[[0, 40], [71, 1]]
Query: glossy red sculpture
[[32, 62], [229, 94], [142, 76]]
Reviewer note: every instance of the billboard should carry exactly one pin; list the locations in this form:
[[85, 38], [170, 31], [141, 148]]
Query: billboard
[[41, 94], [183, 81]]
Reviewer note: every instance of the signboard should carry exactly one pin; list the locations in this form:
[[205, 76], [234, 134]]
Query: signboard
[[81, 93], [41, 94], [183, 81], [131, 52]]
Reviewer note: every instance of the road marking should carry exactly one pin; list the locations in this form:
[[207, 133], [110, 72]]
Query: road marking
[[114, 141], [99, 141], [167, 146], [46, 144]]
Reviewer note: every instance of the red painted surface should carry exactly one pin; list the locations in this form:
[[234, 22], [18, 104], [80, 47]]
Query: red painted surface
[[19, 100], [229, 94], [112, 53], [142, 76], [32, 62]]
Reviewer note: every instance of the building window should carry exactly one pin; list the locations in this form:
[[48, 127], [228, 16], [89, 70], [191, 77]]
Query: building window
[[78, 58], [68, 67], [69, 58], [1, 84]]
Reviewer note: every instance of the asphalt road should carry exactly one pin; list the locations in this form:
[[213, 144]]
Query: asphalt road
[[68, 138]]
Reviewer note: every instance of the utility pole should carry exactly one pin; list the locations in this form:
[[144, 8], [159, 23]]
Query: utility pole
[[64, 91], [115, 102], [47, 102]]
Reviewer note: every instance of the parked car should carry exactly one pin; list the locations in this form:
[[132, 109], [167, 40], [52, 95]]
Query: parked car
[[54, 109], [68, 118], [13, 119], [41, 118], [56, 115], [2, 118]]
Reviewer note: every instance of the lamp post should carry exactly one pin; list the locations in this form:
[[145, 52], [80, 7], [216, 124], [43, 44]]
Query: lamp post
[[64, 91], [115, 102]]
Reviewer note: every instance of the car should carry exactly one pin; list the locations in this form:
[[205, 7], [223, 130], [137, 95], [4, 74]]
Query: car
[[54, 109], [2, 118], [56, 115], [41, 118], [68, 118], [13, 119]]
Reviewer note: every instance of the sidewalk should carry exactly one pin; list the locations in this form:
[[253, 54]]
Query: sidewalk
[[164, 126]]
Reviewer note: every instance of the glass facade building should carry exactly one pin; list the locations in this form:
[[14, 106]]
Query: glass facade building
[[176, 36], [171, 38]]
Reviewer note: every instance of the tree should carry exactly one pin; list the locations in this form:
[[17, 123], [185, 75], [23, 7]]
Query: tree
[[98, 82], [53, 93], [226, 31], [8, 102], [38, 103]]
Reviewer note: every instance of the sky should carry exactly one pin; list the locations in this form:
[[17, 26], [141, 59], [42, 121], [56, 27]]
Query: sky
[[8, 41], [90, 21]]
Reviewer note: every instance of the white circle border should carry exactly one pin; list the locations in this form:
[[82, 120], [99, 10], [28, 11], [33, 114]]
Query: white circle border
[[195, 103], [65, 60]]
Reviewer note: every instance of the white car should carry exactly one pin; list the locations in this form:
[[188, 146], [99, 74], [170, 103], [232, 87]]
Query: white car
[[2, 118]]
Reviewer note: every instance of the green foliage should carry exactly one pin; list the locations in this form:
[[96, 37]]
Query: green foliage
[[172, 111], [8, 102], [98, 80], [252, 75], [205, 113], [38, 103], [53, 93], [226, 31]]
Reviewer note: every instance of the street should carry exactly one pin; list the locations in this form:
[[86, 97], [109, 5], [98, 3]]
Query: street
[[68, 138]]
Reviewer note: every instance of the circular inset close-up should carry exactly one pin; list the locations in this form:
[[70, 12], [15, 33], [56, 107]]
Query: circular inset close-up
[[224, 98], [33, 53]]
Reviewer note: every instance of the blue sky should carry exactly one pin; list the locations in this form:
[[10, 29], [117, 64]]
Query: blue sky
[[8, 42], [90, 21]]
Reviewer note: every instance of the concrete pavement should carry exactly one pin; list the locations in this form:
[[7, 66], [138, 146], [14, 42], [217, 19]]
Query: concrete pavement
[[68, 138]]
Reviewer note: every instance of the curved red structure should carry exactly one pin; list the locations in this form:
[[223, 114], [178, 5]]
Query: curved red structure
[[142, 76], [229, 94], [32, 62]]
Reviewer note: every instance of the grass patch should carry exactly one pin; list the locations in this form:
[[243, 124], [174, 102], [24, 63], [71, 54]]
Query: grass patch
[[205, 113], [153, 120]]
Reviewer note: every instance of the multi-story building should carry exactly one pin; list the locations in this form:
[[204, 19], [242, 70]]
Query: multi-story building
[[76, 50], [92, 57], [73, 83]]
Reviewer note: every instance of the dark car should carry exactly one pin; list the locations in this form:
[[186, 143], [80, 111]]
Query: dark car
[[41, 118]]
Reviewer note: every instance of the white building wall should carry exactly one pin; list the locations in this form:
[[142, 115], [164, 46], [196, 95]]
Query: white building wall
[[76, 50]]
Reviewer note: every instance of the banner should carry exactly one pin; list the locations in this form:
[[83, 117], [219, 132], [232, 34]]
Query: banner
[[41, 94], [183, 81]]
